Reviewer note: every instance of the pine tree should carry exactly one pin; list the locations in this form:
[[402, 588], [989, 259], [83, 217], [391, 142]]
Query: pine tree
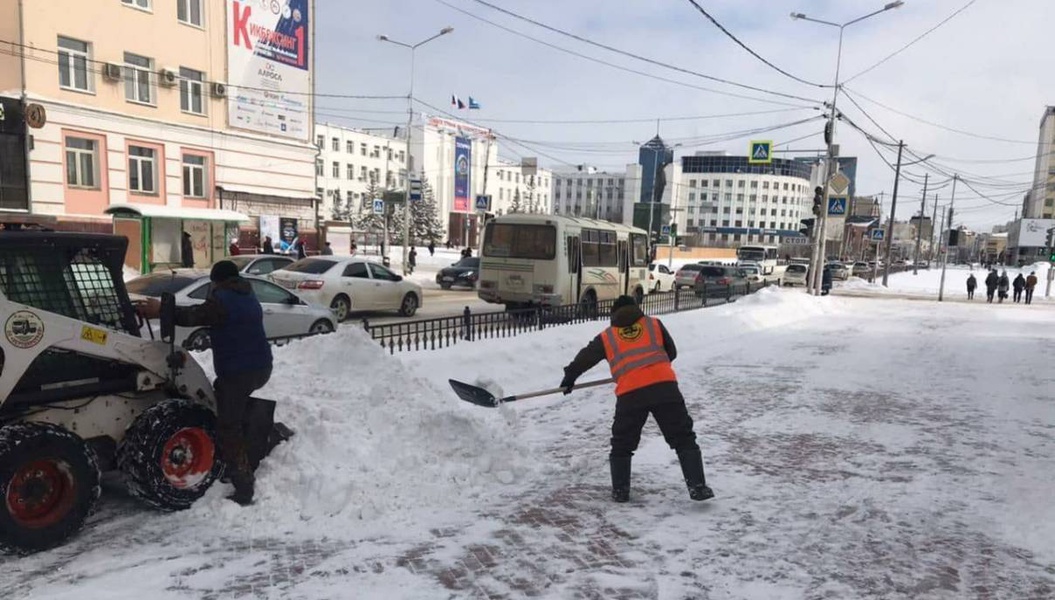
[[516, 206], [425, 223], [363, 217]]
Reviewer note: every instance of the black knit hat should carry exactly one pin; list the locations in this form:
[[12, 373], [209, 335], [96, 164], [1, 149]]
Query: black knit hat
[[622, 301], [222, 271]]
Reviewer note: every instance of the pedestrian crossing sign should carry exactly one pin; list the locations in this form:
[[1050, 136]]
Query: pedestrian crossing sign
[[761, 153]]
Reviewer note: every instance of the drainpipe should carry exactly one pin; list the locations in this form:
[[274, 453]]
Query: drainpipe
[[23, 97]]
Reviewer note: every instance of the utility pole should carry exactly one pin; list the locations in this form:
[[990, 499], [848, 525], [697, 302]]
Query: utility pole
[[933, 225], [919, 229], [945, 257]]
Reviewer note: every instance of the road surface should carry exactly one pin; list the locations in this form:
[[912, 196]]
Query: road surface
[[437, 303]]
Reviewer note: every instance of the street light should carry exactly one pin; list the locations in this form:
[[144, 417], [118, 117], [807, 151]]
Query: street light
[[410, 123], [829, 169]]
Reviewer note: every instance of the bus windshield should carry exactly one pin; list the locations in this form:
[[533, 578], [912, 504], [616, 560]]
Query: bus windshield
[[512, 240]]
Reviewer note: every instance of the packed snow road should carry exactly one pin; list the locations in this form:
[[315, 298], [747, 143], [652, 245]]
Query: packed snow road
[[859, 448]]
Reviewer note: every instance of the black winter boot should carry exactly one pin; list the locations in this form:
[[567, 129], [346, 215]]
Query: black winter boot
[[692, 468], [620, 477]]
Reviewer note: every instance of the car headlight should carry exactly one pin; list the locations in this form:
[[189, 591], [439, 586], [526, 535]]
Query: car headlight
[[470, 273]]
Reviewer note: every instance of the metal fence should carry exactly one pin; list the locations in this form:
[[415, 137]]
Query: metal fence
[[444, 332]]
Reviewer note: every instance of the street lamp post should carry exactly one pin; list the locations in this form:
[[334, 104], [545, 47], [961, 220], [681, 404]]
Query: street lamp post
[[829, 169], [410, 123]]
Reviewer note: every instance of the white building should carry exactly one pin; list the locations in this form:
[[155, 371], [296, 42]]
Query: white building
[[590, 193], [1040, 201], [519, 187], [351, 163]]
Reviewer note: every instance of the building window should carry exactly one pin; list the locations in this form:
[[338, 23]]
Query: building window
[[81, 158], [189, 12], [74, 56], [318, 167], [692, 183], [728, 197], [335, 143], [319, 192], [142, 170], [319, 141], [143, 4], [728, 183], [692, 196], [785, 187], [336, 170], [351, 172], [139, 73], [740, 183], [765, 186], [362, 149], [349, 147], [193, 176], [739, 197], [754, 185], [191, 86], [362, 170]]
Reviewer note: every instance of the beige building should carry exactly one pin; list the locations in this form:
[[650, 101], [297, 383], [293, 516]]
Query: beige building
[[164, 111]]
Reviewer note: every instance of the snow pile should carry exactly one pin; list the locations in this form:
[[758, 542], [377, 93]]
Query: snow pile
[[129, 273], [373, 442]]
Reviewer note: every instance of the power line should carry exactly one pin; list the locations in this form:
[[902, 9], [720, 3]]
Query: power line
[[913, 42], [615, 50], [641, 120], [722, 28]]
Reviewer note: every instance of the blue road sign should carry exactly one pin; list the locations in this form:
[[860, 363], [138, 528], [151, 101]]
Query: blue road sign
[[664, 230], [761, 153], [483, 202], [837, 206], [415, 190], [379, 206], [877, 235]]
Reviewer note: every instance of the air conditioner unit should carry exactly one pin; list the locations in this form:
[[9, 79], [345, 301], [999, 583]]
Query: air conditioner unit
[[219, 90], [168, 77], [112, 72]]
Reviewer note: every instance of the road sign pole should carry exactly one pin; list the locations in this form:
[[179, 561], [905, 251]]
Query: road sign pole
[[945, 256]]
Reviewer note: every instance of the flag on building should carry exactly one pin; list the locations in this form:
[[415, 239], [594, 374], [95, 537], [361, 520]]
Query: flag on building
[[455, 101], [473, 104]]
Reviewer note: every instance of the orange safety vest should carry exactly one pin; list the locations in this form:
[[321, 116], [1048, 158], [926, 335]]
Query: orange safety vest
[[636, 355]]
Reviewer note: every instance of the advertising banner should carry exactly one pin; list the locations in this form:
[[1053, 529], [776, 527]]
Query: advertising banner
[[463, 149], [269, 228], [288, 235], [1033, 233], [268, 67]]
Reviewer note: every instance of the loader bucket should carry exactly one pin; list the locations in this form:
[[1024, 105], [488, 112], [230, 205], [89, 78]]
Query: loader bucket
[[263, 433]]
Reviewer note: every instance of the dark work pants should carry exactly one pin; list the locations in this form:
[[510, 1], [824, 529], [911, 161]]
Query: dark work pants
[[232, 400], [970, 294], [1018, 295], [673, 420], [1029, 295]]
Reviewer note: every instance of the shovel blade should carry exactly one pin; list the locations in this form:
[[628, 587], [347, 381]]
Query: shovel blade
[[474, 394]]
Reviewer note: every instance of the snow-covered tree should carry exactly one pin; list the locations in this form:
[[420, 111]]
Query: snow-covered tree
[[516, 206], [425, 222]]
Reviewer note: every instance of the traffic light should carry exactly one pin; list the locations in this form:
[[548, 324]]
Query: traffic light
[[954, 238], [818, 200], [1051, 238], [806, 228]]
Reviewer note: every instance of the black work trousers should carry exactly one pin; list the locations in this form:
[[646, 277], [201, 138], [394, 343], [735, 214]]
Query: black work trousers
[[232, 427], [1029, 295], [673, 420]]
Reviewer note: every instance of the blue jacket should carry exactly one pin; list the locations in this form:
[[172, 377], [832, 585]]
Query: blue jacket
[[236, 320]]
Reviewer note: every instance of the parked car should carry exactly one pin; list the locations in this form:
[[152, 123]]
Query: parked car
[[348, 283], [752, 272], [465, 272], [861, 269], [795, 274], [660, 278], [285, 314], [721, 282], [260, 264], [686, 275], [839, 271]]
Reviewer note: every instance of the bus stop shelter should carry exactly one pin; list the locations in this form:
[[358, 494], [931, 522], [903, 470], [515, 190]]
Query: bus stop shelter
[[155, 234]]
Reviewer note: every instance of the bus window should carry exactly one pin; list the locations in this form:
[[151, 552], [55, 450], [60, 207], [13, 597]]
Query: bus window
[[607, 255], [640, 250], [507, 240], [623, 256], [573, 255], [591, 252]]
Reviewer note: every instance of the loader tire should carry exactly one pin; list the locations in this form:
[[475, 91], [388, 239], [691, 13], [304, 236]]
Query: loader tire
[[169, 455], [49, 481]]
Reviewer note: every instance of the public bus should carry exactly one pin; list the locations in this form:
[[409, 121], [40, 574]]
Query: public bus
[[552, 260], [767, 258]]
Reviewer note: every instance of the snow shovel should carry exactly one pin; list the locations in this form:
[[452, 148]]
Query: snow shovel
[[481, 397]]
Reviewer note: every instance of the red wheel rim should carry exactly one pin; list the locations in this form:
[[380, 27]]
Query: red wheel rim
[[41, 493], [187, 458]]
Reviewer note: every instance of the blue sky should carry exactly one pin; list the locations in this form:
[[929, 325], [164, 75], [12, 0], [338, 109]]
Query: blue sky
[[983, 72]]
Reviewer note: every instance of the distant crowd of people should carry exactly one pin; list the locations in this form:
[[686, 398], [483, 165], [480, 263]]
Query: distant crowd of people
[[998, 285]]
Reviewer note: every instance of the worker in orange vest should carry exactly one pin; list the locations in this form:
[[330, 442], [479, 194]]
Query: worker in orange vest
[[639, 351]]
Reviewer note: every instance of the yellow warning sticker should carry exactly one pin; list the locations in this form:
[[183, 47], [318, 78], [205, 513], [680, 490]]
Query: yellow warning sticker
[[93, 335]]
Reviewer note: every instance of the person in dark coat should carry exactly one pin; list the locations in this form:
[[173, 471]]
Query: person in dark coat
[[299, 247], [412, 260], [432, 248], [639, 351], [327, 249], [234, 249], [826, 281], [972, 283], [241, 357], [1003, 285], [187, 251], [269, 248], [1031, 284], [1018, 285], [991, 281]]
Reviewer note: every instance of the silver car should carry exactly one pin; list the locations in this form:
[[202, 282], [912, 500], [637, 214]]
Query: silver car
[[260, 264], [285, 314]]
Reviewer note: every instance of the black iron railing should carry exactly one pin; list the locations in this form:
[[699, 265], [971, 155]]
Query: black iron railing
[[443, 332]]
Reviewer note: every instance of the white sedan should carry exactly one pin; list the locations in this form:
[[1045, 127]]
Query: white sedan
[[285, 314], [346, 283], [660, 278]]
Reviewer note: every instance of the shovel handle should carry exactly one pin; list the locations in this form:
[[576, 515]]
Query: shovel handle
[[559, 390]]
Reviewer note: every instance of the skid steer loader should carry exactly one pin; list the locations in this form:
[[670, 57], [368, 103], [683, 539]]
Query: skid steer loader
[[82, 391]]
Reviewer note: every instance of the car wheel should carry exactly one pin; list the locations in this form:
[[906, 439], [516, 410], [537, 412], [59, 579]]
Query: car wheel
[[658, 288], [199, 340], [341, 306], [409, 305], [321, 326], [445, 286]]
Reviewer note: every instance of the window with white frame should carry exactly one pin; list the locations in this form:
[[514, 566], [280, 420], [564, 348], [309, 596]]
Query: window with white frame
[[349, 147], [139, 78], [81, 160], [142, 170], [319, 141], [318, 167], [335, 144], [189, 12], [194, 183], [143, 4], [350, 171], [336, 170], [191, 91], [74, 56]]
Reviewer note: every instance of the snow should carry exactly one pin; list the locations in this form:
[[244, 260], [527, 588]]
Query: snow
[[859, 448], [927, 282]]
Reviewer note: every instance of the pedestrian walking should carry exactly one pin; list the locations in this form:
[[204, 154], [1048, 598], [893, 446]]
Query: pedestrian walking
[[233, 249], [187, 251], [269, 248], [412, 260], [991, 281], [1031, 284], [327, 250], [826, 281], [298, 246], [432, 248], [1018, 285], [639, 351], [972, 283], [1003, 286]]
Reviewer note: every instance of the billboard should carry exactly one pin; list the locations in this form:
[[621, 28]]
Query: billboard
[[1033, 233], [463, 150], [268, 67]]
